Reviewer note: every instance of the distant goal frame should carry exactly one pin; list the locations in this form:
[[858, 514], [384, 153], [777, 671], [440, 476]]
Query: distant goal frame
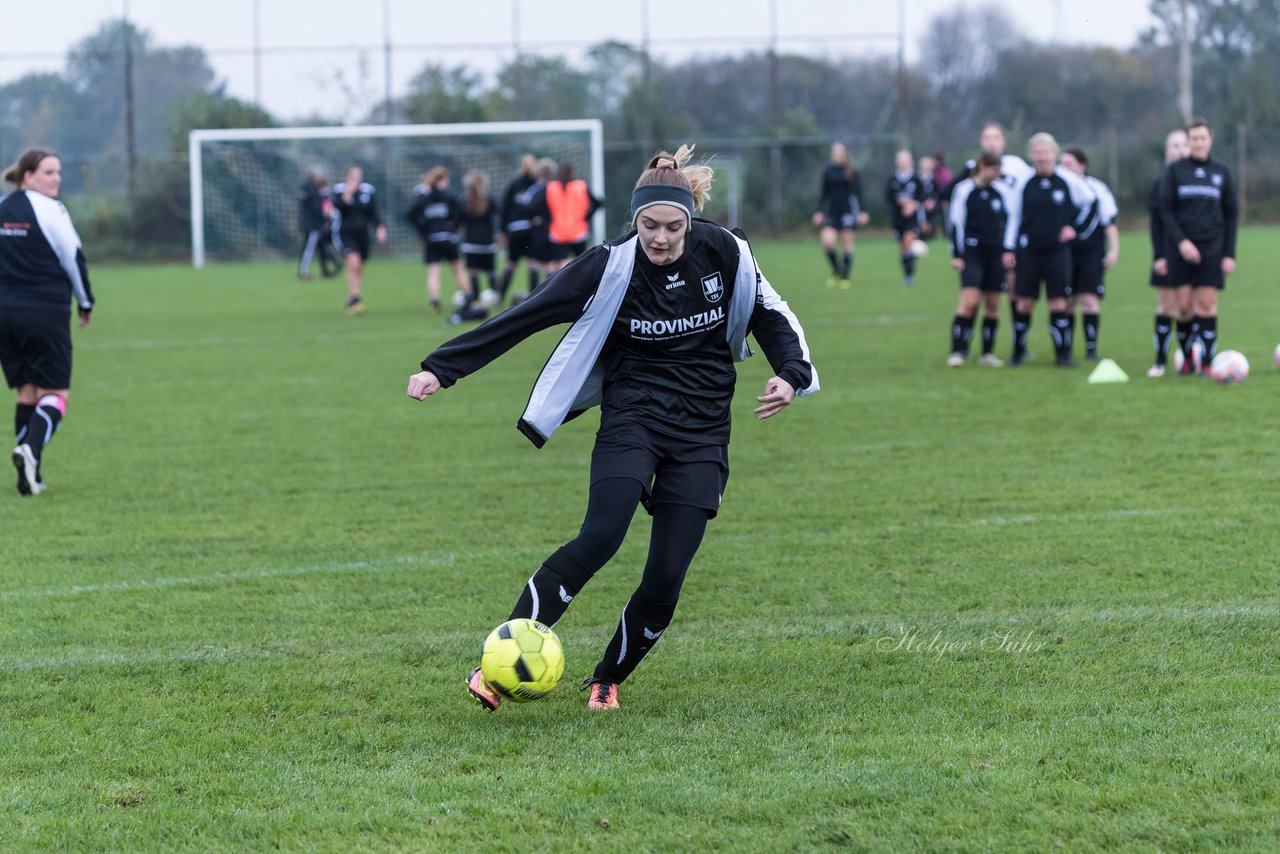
[[593, 127]]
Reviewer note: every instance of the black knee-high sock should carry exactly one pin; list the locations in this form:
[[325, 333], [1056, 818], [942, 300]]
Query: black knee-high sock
[[1090, 333], [475, 284], [1209, 337], [43, 424], [677, 533], [550, 590], [908, 264], [504, 284], [533, 279], [21, 417], [989, 327], [834, 261], [1164, 328], [848, 265], [1184, 337], [1193, 337], [1021, 328], [1060, 332], [961, 333]]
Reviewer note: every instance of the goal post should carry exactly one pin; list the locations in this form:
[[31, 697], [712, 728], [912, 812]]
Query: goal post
[[244, 181]]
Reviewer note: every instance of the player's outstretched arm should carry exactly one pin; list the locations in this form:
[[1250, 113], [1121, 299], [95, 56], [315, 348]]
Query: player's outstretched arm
[[778, 394], [422, 385]]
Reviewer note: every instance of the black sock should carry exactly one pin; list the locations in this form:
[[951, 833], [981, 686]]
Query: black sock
[[848, 265], [505, 283], [1060, 332], [1090, 333], [550, 590], [834, 261], [1209, 338], [43, 423], [1184, 337], [1164, 328], [643, 622], [989, 327], [1021, 327], [21, 416], [909, 263], [533, 280], [961, 333], [475, 284]]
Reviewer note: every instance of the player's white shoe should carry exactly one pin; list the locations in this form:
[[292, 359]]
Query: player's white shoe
[[28, 470], [991, 360], [1155, 371], [955, 360]]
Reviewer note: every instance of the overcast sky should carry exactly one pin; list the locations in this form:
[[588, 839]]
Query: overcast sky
[[324, 57]]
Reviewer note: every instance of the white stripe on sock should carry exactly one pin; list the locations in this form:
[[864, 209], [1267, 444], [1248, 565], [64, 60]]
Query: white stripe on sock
[[533, 591], [622, 653]]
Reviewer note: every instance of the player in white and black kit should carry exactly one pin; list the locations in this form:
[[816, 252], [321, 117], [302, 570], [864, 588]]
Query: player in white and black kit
[[1201, 212], [1046, 210], [840, 212], [436, 213], [904, 195], [659, 317], [1168, 305], [978, 212], [355, 211], [1094, 251], [42, 270]]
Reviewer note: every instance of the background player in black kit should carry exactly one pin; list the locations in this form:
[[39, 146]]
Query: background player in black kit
[[517, 223], [479, 235], [659, 317], [1167, 304], [42, 269], [436, 213], [355, 210], [978, 212], [1094, 251], [840, 212], [1045, 210], [313, 222], [904, 197], [1200, 210]]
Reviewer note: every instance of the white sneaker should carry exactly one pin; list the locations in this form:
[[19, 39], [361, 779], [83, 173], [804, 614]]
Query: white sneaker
[[1155, 371], [991, 360], [955, 360], [28, 475]]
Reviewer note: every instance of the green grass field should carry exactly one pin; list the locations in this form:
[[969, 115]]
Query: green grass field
[[951, 610]]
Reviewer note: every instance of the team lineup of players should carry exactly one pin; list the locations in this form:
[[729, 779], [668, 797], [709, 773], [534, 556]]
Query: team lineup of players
[[1050, 227], [542, 217]]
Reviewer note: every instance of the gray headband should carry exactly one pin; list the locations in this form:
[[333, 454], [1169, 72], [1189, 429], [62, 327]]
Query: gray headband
[[661, 194]]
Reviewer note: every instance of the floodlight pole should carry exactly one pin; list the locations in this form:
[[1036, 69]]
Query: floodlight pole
[[1184, 65]]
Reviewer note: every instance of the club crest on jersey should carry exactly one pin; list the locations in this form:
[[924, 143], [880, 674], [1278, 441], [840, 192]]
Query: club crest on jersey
[[1217, 180], [712, 287], [1059, 197]]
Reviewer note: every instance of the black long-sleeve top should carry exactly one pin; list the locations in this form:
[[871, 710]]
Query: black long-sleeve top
[[1198, 202]]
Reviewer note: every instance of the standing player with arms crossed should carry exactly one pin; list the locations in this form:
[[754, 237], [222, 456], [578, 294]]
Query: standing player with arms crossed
[[1200, 210], [659, 317], [903, 193]]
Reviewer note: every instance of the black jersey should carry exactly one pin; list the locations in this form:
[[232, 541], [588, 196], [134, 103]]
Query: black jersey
[[360, 213], [1157, 219], [1198, 202], [515, 204], [436, 214], [41, 262], [902, 189], [841, 191], [1102, 213], [1041, 205], [478, 230], [667, 361], [311, 216], [978, 216]]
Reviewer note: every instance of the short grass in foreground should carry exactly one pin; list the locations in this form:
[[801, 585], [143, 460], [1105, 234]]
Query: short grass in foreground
[[949, 609]]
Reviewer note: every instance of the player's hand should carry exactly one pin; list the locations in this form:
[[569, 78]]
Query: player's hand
[[381, 234], [777, 396], [422, 385], [1109, 260], [1160, 267], [1228, 267], [86, 314], [957, 264], [1010, 260], [864, 218], [1067, 234], [1189, 252], [817, 218], [908, 209]]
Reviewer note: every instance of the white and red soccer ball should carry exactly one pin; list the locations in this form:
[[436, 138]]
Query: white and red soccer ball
[[1229, 366]]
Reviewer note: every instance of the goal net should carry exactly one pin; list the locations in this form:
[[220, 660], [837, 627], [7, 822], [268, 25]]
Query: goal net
[[244, 182]]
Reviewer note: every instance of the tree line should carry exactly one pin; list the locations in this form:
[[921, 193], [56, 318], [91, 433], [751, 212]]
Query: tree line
[[772, 116]]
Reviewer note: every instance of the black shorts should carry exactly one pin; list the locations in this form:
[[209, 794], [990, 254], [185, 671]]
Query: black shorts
[[1206, 274], [481, 262], [1158, 281], [670, 470], [542, 248], [354, 242], [35, 347], [1051, 266], [904, 225], [441, 250], [983, 269], [841, 219], [1086, 267], [517, 245]]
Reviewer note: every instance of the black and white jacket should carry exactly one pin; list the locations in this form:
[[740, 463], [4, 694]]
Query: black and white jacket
[[41, 263]]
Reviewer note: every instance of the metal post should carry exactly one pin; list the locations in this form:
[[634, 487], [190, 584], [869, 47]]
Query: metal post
[[257, 52], [389, 117], [131, 142], [775, 120], [1184, 66], [1242, 182]]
